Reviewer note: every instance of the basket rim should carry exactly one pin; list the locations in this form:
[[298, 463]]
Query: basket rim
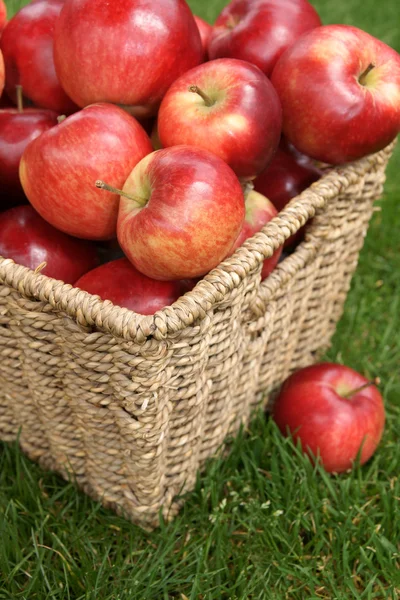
[[213, 288]]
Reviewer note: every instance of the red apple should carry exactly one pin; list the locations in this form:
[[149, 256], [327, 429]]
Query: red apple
[[259, 211], [17, 130], [286, 176], [259, 31], [122, 284], [2, 73], [334, 412], [340, 92], [29, 240], [228, 107], [3, 15], [27, 45], [127, 54], [59, 169], [185, 211], [205, 30]]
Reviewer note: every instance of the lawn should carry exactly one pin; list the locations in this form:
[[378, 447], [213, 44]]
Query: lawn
[[262, 523]]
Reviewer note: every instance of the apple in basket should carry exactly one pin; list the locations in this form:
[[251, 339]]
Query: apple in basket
[[181, 211], [205, 30], [30, 241], [121, 283], [259, 31], [27, 46], [228, 107], [127, 54], [336, 414], [259, 211], [2, 73], [59, 168], [18, 127], [340, 93], [288, 174], [3, 15]]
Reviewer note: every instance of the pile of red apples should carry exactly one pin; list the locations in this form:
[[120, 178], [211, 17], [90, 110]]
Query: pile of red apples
[[133, 129]]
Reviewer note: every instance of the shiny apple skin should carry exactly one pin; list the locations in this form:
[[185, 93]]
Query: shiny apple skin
[[286, 177], [3, 15], [259, 211], [27, 46], [205, 30], [59, 169], [193, 216], [243, 126], [122, 284], [127, 54], [17, 130], [327, 113], [311, 406], [2, 73], [264, 29], [28, 240]]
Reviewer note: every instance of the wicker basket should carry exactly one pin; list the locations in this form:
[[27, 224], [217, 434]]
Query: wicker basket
[[132, 405]]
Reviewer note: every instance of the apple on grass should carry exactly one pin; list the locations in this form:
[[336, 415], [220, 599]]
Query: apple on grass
[[336, 414], [58, 169], [259, 211], [205, 30], [27, 46], [259, 31], [340, 93], [180, 213], [28, 240], [18, 127], [228, 107], [121, 283], [140, 46]]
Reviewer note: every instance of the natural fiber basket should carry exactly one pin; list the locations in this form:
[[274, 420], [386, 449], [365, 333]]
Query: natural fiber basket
[[133, 406]]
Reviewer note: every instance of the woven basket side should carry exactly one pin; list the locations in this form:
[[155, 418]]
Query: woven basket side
[[211, 290]]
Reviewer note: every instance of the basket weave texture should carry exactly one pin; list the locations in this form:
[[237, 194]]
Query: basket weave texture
[[133, 406]]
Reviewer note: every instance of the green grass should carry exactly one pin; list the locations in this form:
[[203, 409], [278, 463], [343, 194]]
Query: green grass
[[261, 523]]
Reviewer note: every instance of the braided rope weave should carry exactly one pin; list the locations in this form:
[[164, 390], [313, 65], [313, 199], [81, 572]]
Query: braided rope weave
[[134, 405]]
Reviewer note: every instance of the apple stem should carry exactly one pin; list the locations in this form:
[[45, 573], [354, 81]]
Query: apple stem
[[20, 98], [196, 90], [352, 393], [109, 188], [363, 76], [61, 118]]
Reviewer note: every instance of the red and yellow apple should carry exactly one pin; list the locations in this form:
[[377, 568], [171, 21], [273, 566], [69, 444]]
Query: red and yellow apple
[[127, 53], [228, 107], [340, 93], [59, 169], [183, 214]]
